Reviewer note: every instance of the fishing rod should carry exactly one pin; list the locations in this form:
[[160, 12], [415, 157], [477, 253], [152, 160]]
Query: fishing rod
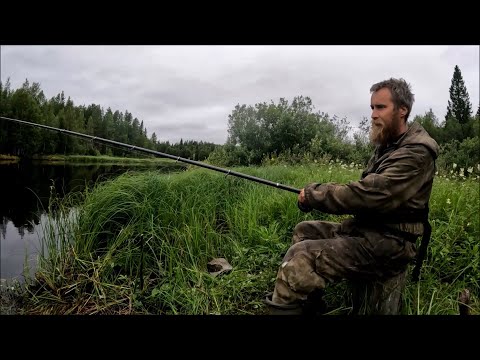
[[158, 153]]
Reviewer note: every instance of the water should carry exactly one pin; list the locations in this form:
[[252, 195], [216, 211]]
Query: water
[[25, 190]]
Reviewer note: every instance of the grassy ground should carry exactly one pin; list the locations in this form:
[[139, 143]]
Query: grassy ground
[[140, 244]]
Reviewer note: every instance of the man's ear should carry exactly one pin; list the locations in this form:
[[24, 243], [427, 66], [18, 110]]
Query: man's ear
[[403, 111]]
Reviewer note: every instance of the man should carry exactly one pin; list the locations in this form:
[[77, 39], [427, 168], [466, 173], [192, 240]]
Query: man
[[389, 204]]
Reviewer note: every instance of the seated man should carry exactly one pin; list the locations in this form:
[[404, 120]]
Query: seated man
[[389, 204]]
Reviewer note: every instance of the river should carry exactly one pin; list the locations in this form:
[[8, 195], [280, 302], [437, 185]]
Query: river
[[25, 189]]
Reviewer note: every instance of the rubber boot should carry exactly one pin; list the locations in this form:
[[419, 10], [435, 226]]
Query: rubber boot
[[283, 309]]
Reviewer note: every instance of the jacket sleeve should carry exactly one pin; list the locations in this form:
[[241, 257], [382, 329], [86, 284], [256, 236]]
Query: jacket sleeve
[[398, 178]]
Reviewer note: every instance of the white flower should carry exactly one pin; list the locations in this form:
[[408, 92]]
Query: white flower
[[470, 169], [448, 201], [436, 173], [454, 165]]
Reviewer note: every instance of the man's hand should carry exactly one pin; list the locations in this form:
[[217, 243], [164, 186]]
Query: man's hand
[[302, 202], [301, 196]]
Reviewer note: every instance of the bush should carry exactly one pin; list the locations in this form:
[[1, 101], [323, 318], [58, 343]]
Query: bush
[[465, 154], [229, 155]]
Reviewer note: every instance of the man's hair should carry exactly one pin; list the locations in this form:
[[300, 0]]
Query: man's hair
[[401, 93]]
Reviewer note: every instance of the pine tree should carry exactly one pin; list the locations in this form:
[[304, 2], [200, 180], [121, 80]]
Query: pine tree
[[459, 106]]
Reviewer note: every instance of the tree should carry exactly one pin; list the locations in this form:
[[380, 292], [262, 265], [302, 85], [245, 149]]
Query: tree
[[154, 139], [28, 102], [272, 128], [245, 128], [430, 124], [459, 107]]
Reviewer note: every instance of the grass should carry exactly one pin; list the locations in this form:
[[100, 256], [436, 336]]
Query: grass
[[140, 244]]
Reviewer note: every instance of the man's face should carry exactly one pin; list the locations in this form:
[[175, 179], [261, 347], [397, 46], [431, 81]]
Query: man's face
[[386, 120]]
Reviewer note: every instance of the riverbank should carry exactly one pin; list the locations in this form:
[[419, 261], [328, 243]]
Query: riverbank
[[71, 159], [143, 243], [8, 159], [81, 160]]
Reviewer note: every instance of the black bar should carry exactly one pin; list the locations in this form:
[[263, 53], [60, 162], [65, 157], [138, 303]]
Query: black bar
[[177, 158]]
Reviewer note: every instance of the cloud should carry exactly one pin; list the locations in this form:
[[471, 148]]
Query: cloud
[[187, 92]]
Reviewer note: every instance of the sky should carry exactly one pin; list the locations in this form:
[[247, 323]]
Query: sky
[[188, 92]]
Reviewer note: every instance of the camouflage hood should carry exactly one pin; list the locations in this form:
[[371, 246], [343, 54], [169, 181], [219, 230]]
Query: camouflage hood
[[417, 135]]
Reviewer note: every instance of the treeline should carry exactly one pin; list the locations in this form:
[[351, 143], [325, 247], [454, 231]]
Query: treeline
[[294, 132], [29, 103], [264, 133]]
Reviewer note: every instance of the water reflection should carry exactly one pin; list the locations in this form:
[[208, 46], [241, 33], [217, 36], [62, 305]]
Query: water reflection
[[25, 189], [19, 248]]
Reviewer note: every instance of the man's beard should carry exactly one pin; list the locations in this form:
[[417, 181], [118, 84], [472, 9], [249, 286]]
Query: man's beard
[[384, 134]]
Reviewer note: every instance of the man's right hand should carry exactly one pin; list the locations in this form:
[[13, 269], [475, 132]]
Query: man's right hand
[[302, 202]]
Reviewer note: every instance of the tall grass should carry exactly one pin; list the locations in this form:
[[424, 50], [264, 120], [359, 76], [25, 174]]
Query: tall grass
[[140, 244]]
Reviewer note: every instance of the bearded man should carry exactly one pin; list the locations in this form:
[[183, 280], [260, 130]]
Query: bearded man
[[389, 205]]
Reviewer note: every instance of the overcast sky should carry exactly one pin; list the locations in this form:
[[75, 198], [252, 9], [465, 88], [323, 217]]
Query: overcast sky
[[189, 91]]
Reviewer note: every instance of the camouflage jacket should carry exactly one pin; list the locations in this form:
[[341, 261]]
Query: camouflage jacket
[[397, 180]]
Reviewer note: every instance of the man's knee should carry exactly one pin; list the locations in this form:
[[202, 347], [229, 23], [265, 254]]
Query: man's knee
[[299, 231], [297, 278], [314, 230], [300, 275]]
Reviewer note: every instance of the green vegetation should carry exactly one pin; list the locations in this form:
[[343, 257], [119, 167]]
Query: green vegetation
[[140, 244]]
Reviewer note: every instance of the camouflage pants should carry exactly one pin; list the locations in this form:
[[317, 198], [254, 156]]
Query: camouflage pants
[[324, 252]]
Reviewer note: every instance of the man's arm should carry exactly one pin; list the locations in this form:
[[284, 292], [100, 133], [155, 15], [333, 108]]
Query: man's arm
[[398, 178]]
